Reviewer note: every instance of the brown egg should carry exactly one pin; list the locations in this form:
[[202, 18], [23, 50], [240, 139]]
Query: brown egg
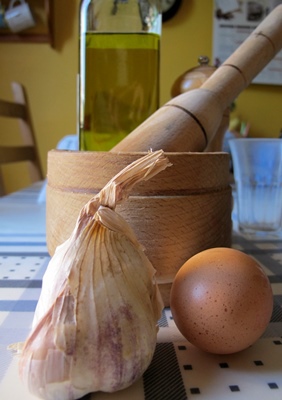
[[221, 300]]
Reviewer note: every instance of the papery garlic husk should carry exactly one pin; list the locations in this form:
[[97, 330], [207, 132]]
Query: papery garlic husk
[[95, 325]]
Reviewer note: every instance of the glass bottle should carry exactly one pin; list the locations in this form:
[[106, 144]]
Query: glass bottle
[[118, 69]]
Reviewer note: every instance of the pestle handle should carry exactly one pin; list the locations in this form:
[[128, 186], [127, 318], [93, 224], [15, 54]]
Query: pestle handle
[[244, 64], [189, 121]]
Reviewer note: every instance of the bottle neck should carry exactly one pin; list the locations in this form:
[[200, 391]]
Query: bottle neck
[[120, 16]]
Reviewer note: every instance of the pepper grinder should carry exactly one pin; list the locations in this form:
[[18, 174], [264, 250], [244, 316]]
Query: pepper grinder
[[193, 79]]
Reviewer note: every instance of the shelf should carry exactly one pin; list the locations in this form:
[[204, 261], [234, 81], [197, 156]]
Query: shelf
[[42, 11]]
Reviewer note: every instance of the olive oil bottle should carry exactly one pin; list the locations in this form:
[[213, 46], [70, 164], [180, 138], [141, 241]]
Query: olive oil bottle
[[119, 69]]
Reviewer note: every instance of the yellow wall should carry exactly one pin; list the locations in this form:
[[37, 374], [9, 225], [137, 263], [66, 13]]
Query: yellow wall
[[49, 74]]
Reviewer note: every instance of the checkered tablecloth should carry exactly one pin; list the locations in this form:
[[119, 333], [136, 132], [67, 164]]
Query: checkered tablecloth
[[179, 370]]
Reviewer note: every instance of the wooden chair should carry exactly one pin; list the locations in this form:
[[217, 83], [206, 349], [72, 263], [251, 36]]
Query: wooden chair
[[19, 109]]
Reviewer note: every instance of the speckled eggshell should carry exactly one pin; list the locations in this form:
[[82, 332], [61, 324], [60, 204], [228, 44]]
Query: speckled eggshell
[[221, 300]]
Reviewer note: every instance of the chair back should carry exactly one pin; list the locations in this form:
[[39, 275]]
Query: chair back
[[27, 151]]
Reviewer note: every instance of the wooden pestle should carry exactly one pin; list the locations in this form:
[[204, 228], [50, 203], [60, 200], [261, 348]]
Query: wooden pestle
[[189, 121], [216, 142]]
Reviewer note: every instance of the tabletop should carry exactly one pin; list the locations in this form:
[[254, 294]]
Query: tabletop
[[178, 370]]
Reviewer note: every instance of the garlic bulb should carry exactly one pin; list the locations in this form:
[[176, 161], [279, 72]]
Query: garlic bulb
[[95, 324]]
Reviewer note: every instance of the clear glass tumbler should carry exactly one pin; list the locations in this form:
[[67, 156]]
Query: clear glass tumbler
[[257, 165]]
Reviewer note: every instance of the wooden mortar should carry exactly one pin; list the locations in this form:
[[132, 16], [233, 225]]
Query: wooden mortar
[[180, 212]]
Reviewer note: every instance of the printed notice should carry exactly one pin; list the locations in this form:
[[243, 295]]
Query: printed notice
[[233, 22]]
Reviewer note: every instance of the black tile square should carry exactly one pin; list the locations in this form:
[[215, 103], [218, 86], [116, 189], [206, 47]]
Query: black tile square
[[258, 362], [181, 347], [195, 390], [223, 365], [162, 322], [163, 379], [187, 367], [273, 385], [277, 312], [234, 388]]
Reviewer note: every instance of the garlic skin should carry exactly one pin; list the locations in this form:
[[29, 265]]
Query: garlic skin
[[95, 325]]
